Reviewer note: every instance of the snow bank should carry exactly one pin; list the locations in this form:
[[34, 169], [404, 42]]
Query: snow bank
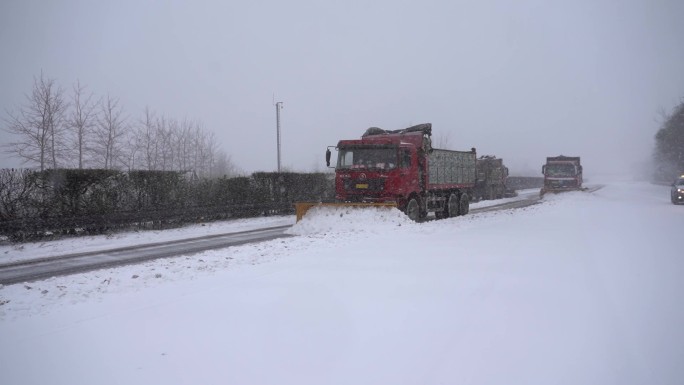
[[49, 248], [350, 219]]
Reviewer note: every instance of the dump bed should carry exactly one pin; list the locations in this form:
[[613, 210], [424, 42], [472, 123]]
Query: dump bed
[[449, 169], [562, 158]]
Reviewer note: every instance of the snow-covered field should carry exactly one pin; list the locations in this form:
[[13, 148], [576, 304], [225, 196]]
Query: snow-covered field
[[582, 289]]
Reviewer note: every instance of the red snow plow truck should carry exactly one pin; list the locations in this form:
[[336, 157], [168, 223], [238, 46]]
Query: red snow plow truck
[[562, 173], [401, 168]]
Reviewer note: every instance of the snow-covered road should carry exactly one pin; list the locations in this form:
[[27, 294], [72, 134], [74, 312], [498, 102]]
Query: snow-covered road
[[582, 289]]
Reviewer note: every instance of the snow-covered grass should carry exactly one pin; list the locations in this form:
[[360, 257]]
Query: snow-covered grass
[[44, 249], [582, 289]]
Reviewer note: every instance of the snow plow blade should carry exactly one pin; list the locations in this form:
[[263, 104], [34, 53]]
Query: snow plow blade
[[543, 191], [302, 207]]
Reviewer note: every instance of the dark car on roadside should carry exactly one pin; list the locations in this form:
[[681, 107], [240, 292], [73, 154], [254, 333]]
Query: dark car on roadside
[[677, 192]]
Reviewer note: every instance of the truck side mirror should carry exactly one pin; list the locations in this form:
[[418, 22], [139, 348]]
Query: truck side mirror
[[327, 157], [544, 170]]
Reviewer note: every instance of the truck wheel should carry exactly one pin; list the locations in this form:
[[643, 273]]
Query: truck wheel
[[463, 205], [413, 210], [452, 206]]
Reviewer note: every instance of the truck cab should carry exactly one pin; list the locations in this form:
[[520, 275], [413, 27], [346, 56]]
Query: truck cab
[[380, 169], [562, 173]]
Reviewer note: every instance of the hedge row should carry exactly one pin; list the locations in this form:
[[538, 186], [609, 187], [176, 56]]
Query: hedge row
[[93, 201]]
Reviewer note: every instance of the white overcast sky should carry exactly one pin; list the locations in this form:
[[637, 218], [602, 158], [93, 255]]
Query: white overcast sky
[[518, 79]]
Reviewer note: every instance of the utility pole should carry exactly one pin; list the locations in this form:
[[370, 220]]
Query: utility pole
[[278, 106]]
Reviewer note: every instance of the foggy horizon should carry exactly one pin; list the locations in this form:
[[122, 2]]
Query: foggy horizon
[[519, 81]]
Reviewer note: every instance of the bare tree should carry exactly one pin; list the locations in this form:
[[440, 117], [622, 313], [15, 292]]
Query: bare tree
[[81, 121], [130, 154], [201, 144], [183, 147], [161, 143], [110, 134], [145, 139], [54, 113], [223, 165], [217, 162], [164, 140], [95, 133], [38, 125]]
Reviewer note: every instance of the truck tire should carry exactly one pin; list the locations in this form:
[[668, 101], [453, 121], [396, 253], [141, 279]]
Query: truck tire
[[452, 206], [463, 205], [413, 210]]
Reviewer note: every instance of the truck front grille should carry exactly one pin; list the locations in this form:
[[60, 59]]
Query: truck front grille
[[358, 186], [561, 184]]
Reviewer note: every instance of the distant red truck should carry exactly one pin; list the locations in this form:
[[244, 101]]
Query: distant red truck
[[562, 173], [402, 167]]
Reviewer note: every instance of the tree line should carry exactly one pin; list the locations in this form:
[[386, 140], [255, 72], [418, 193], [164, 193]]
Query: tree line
[[56, 129], [669, 146]]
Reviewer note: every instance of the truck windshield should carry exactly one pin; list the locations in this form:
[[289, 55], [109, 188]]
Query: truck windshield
[[367, 158], [560, 170]]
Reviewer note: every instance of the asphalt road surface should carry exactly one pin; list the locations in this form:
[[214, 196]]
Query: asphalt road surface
[[31, 270]]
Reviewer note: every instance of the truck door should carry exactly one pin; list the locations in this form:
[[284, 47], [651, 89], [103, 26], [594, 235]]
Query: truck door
[[421, 172], [408, 176]]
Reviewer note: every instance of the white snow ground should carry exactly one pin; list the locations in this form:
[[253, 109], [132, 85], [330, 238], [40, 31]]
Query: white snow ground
[[582, 289]]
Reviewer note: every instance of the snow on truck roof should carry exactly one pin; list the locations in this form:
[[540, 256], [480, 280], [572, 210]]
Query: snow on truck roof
[[423, 129]]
